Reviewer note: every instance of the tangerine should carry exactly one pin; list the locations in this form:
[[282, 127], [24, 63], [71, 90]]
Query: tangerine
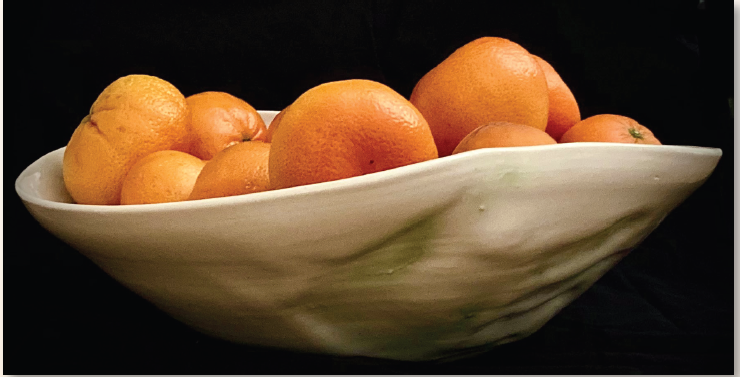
[[609, 128], [274, 125], [161, 177], [489, 79], [134, 116], [237, 170], [219, 120], [503, 134], [344, 129], [563, 110]]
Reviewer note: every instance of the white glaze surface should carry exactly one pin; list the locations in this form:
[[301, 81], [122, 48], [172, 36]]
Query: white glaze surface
[[419, 262]]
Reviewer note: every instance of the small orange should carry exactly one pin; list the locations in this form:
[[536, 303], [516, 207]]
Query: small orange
[[345, 129], [161, 177], [134, 116], [220, 120], [489, 79], [563, 108], [237, 170], [609, 128], [503, 134], [274, 125]]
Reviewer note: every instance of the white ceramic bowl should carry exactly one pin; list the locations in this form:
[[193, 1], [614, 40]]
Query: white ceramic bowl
[[419, 262]]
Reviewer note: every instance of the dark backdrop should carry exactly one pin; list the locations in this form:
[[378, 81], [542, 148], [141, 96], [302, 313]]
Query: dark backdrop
[[666, 308]]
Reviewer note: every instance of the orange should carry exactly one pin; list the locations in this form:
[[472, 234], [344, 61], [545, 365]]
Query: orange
[[609, 128], [563, 108], [344, 129], [133, 117], [489, 79], [220, 120], [237, 170], [161, 177], [503, 134], [274, 125]]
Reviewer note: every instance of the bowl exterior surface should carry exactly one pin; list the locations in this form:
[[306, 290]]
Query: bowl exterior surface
[[421, 262]]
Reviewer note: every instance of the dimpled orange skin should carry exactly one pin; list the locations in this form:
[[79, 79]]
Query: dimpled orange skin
[[609, 128], [563, 108], [489, 79], [345, 129], [503, 134], [161, 177], [219, 120], [237, 170], [133, 117], [274, 125]]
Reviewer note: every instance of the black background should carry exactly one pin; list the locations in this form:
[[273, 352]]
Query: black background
[[666, 308]]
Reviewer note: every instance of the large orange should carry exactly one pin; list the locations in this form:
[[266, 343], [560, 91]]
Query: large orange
[[344, 129], [503, 134], [563, 108], [237, 170], [161, 177], [133, 117], [489, 79], [609, 128], [220, 120]]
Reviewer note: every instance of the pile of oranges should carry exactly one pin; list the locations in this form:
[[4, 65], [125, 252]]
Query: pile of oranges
[[144, 142]]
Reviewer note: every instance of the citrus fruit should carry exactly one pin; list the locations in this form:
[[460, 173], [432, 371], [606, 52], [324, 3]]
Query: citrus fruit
[[503, 134], [344, 129], [219, 119], [563, 109], [134, 116], [161, 177], [274, 125], [609, 128], [237, 170], [489, 79]]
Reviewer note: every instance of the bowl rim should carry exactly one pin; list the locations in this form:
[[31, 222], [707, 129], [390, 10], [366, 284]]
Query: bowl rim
[[342, 184]]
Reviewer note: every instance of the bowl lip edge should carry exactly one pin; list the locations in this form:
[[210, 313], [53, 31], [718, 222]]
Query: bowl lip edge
[[343, 184]]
